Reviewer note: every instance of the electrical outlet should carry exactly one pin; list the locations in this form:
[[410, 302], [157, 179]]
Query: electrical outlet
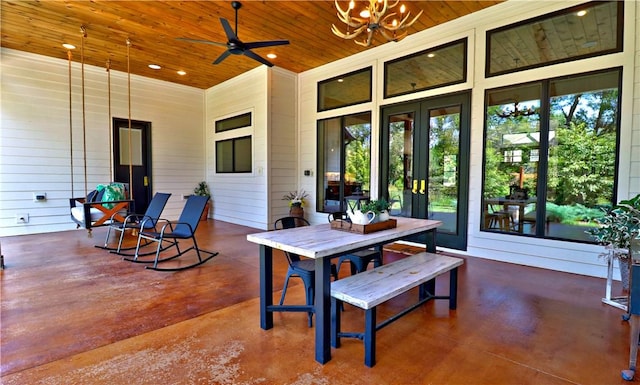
[[39, 196], [22, 218]]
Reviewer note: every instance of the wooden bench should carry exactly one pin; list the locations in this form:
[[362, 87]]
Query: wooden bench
[[373, 287]]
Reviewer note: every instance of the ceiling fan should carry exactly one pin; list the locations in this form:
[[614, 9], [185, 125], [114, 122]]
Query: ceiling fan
[[235, 45]]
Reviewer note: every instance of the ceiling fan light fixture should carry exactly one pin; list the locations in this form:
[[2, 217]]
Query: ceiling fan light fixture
[[374, 18]]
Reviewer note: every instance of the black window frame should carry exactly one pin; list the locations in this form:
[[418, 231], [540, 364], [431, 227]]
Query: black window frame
[[465, 44], [233, 155], [618, 48], [543, 151], [219, 124], [322, 83]]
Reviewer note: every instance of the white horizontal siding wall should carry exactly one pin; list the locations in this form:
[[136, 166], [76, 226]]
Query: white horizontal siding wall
[[284, 173], [239, 198], [634, 176], [35, 136], [562, 256]]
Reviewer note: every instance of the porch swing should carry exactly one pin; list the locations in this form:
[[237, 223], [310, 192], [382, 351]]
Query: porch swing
[[108, 202]]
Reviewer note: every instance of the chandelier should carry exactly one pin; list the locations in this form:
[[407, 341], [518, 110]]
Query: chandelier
[[506, 113], [374, 18]]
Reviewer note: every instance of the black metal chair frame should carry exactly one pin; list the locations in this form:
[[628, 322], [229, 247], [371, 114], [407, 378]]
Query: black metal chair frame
[[302, 268], [136, 222], [358, 260], [184, 228]]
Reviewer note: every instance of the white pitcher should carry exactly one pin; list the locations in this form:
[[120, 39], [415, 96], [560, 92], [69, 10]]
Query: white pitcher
[[360, 218]]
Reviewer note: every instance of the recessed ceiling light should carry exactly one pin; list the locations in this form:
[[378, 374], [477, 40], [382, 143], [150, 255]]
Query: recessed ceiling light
[[181, 73], [581, 13], [69, 46], [340, 80], [272, 55], [431, 55], [154, 66]]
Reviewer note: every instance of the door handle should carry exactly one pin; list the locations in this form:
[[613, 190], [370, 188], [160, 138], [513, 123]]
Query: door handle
[[145, 181], [422, 186], [414, 190]]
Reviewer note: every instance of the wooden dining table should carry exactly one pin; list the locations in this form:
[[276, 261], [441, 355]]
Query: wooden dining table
[[323, 243]]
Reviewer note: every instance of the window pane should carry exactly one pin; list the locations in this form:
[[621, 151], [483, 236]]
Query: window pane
[[224, 156], [432, 68], [345, 90], [582, 152], [573, 153], [512, 141], [136, 146], [344, 160], [557, 37], [234, 122], [357, 145], [242, 154]]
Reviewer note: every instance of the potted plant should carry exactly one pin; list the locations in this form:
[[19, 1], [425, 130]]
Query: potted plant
[[202, 189], [296, 202], [616, 229], [380, 207]]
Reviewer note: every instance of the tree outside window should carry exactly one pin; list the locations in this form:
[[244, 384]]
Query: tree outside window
[[566, 163]]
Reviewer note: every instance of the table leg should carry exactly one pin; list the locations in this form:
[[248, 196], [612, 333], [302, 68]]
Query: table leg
[[323, 310], [266, 287], [520, 218], [431, 240]]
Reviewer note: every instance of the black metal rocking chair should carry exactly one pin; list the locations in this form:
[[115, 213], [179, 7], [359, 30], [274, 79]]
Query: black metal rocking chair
[[136, 222], [184, 228]]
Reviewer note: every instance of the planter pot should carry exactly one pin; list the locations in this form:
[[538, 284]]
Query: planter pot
[[625, 270], [383, 216], [296, 211], [205, 213]]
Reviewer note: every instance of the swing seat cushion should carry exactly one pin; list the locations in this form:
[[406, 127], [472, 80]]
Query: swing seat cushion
[[99, 205]]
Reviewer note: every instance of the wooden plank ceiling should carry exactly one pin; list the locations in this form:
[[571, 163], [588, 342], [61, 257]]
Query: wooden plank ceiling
[[152, 28]]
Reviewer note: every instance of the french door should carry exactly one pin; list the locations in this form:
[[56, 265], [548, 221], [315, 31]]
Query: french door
[[424, 169]]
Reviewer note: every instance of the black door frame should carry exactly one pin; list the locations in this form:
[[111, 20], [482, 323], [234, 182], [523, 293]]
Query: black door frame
[[142, 182], [421, 109]]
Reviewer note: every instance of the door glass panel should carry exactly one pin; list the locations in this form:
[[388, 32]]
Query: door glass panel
[[135, 136], [444, 145], [400, 163]]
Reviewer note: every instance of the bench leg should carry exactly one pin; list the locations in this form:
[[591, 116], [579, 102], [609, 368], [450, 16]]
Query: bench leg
[[453, 288], [427, 290], [370, 337], [336, 305]]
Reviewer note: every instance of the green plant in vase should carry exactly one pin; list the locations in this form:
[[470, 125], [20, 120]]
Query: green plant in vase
[[616, 229]]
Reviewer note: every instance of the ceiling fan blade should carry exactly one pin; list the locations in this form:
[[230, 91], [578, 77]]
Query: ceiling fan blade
[[222, 57], [201, 41], [260, 44], [231, 35], [257, 58]]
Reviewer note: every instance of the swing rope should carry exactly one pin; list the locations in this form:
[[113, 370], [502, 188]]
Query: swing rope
[[109, 117], [70, 125], [129, 95], [84, 120]]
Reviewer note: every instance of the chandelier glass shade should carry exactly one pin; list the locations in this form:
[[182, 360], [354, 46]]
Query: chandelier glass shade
[[379, 16]]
